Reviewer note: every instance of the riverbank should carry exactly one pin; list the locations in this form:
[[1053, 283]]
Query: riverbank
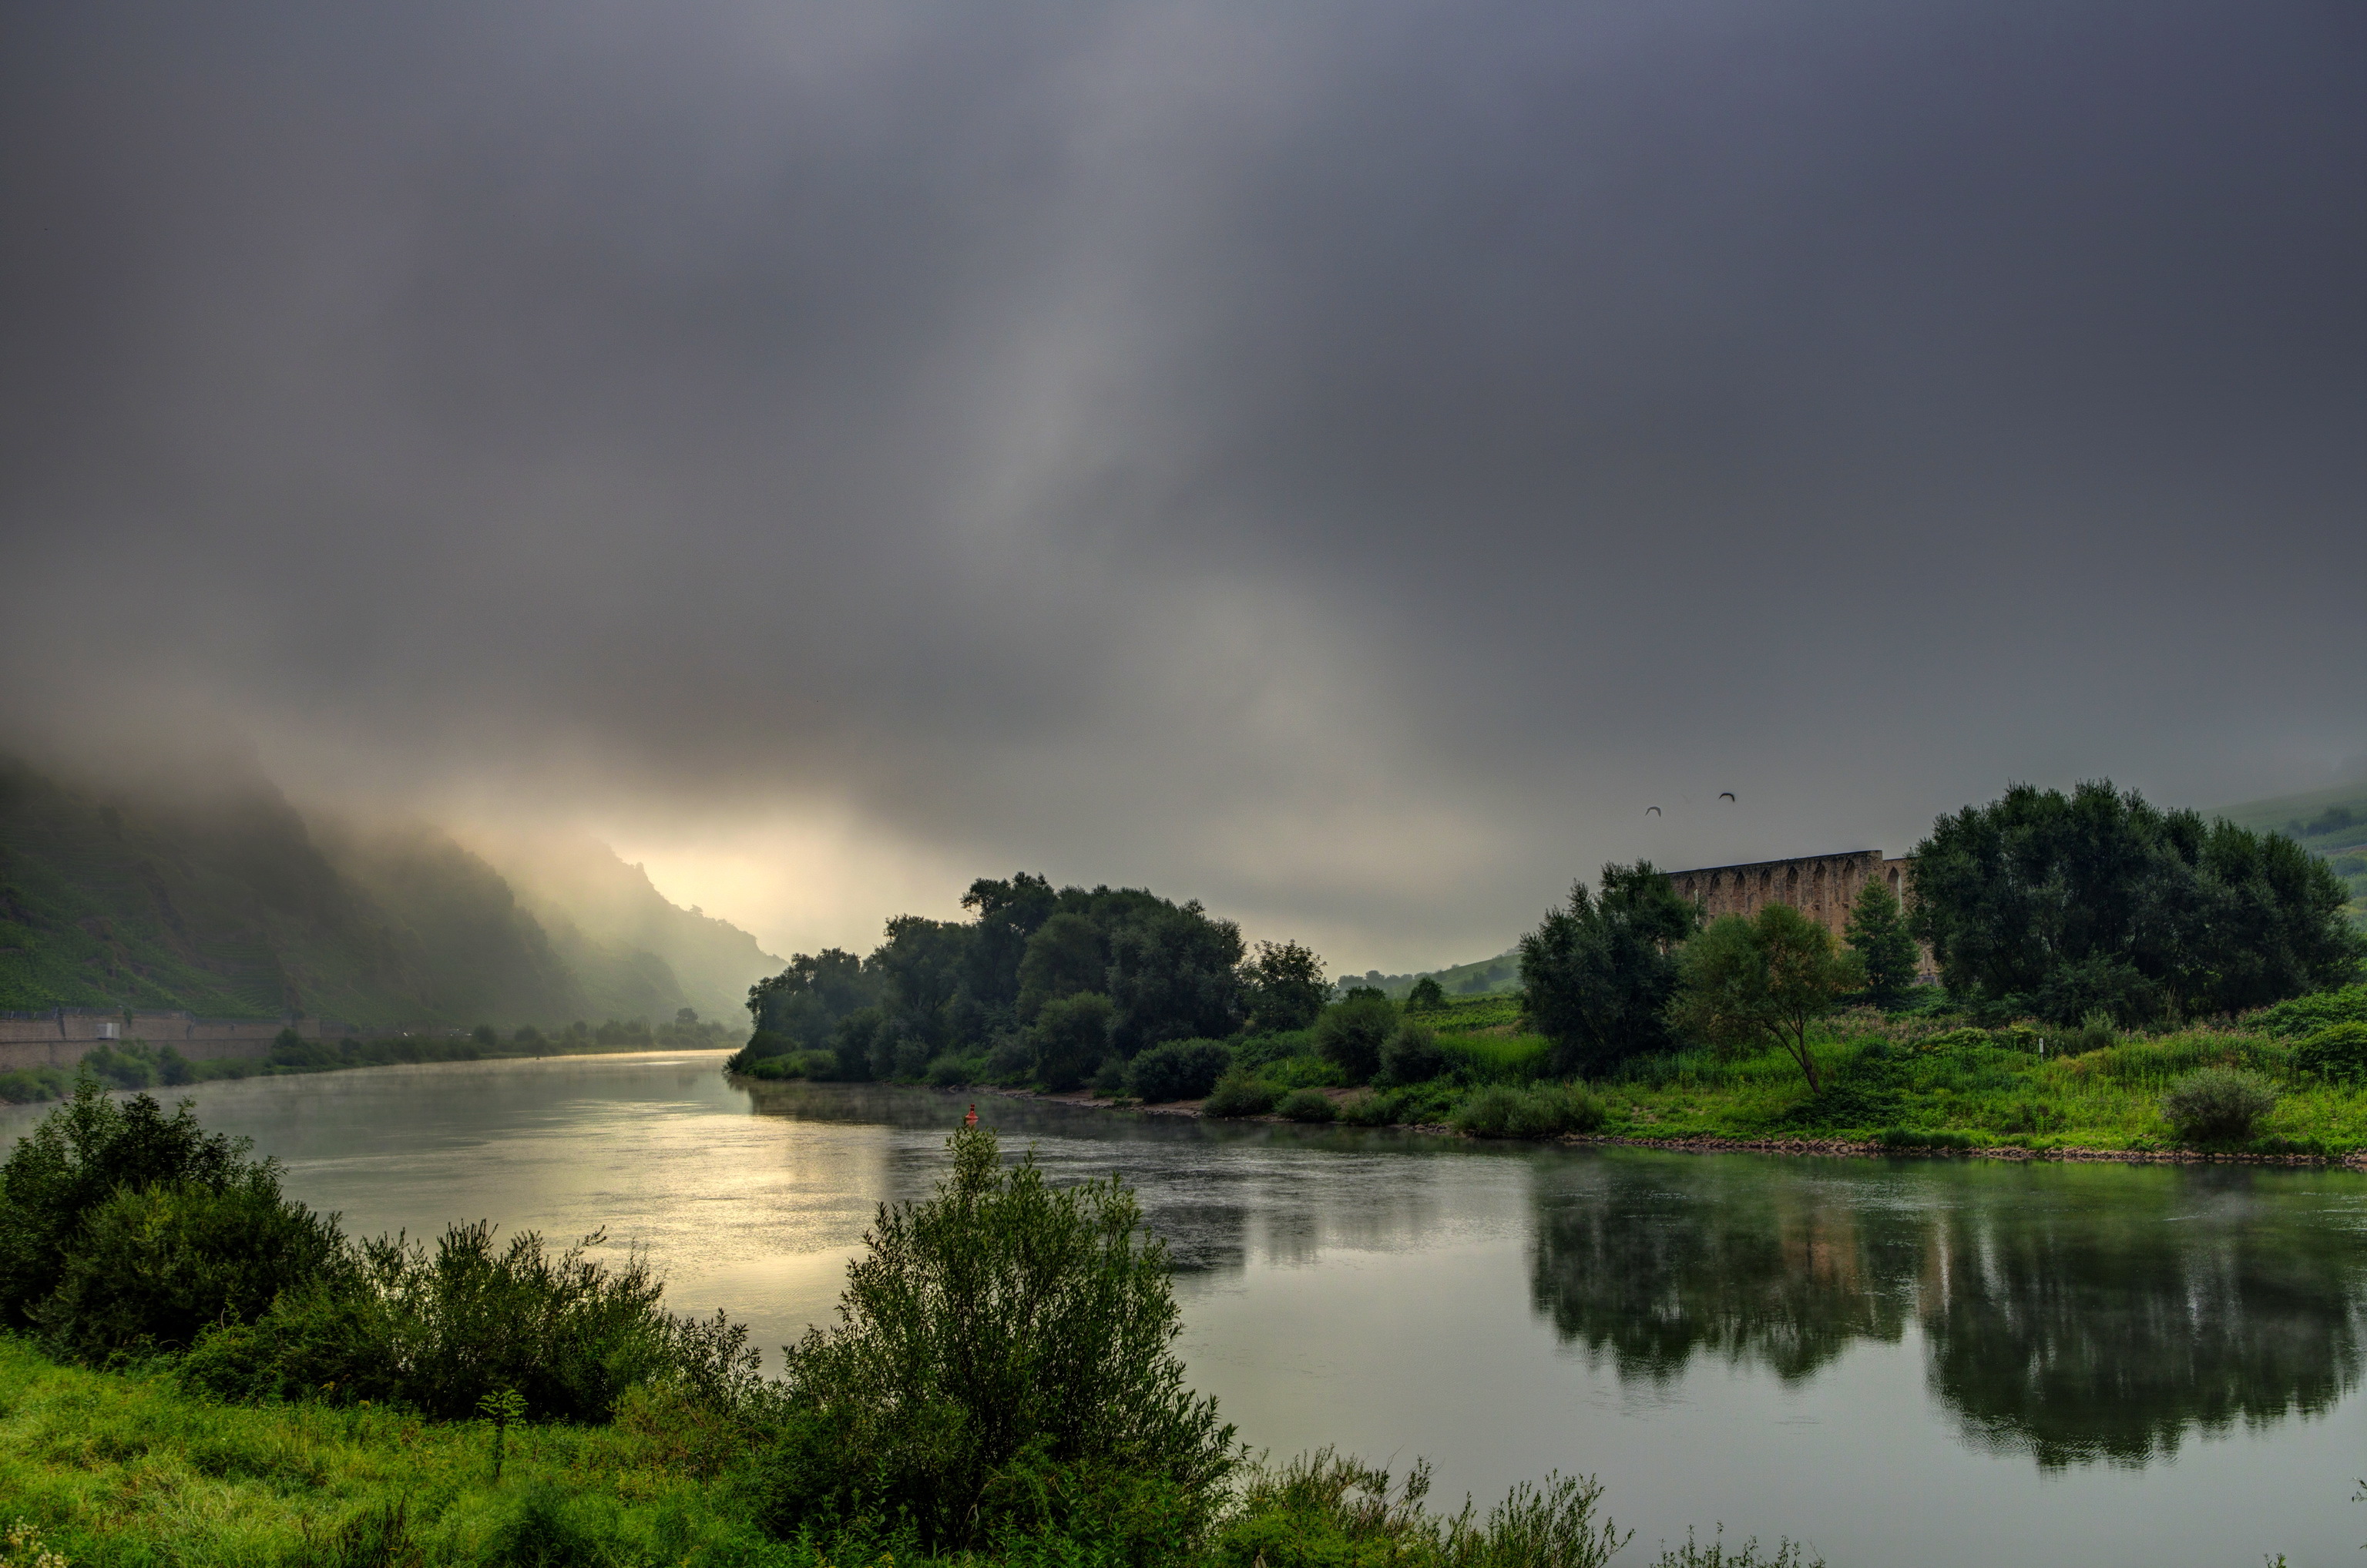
[[1887, 1085]]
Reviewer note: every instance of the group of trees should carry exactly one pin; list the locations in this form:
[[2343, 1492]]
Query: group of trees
[[2042, 904], [1056, 980]]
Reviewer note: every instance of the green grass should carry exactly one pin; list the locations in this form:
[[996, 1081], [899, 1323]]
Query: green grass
[[115, 1468]]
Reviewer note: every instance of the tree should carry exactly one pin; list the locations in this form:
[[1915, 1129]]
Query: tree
[[2058, 905], [1008, 914], [1065, 955], [1070, 1037], [1763, 979], [1173, 975], [1877, 934], [1426, 994], [1284, 986], [1004, 1351], [1351, 1034], [1600, 972]]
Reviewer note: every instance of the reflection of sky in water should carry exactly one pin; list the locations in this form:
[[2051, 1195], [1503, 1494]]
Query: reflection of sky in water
[[1927, 1361]]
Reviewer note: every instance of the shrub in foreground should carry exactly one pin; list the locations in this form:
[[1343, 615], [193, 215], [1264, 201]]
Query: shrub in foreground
[[1323, 1510], [1002, 1365], [1412, 1056], [1179, 1070], [2217, 1105], [1239, 1093], [1541, 1110]]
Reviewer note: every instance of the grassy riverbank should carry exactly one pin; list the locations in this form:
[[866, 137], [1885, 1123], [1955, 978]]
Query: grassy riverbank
[[1907, 1080]]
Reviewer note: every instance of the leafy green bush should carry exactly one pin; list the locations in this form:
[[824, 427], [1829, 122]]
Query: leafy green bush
[[1239, 1093], [1003, 1364], [31, 1085], [1426, 994], [1541, 1110], [1109, 1079], [1321, 1509], [436, 1331], [763, 1046], [1307, 1104], [1350, 1034], [1412, 1056], [77, 1159], [2304, 1015], [950, 1070], [2095, 1033], [2337, 1053], [814, 1064], [1179, 1070], [154, 1267], [1370, 1109], [2217, 1105]]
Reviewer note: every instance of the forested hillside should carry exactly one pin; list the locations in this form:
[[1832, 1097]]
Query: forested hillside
[[229, 903]]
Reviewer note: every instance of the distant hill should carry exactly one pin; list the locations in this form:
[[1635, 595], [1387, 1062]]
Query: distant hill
[[2331, 824], [590, 900], [229, 903], [1480, 977]]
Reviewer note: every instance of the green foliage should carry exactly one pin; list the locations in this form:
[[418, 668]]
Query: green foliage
[[1599, 973], [2303, 1014], [2218, 1106], [1284, 986], [1349, 1035], [1241, 1093], [2337, 1052], [1307, 1104], [1070, 1037], [1412, 1056], [1541, 1110], [1109, 1079], [1002, 1353], [1693, 1554], [1427, 993], [1179, 1070], [153, 1268], [2053, 904], [1763, 979], [436, 1331], [77, 1159], [1066, 955], [1324, 1511], [1877, 934]]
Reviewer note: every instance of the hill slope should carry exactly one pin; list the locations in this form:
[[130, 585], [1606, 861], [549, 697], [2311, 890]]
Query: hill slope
[[230, 904]]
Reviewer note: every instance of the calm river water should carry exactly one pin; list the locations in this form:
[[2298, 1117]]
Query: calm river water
[[1918, 1363]]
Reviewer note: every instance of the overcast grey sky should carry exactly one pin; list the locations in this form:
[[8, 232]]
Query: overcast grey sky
[[1341, 462]]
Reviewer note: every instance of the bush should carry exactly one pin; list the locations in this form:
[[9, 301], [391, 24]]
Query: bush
[[437, 1331], [77, 1158], [1323, 1509], [1306, 1105], [1411, 1056], [1351, 1034], [1370, 1109], [2217, 1105], [763, 1046], [1109, 1079], [1003, 1363], [1010, 1059], [953, 1070], [2094, 1033], [155, 1266], [820, 1065], [130, 1067], [2337, 1053], [2304, 1015], [1906, 1138], [1179, 1070], [1541, 1110], [1427, 993], [1239, 1093]]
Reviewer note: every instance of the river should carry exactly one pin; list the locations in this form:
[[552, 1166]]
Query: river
[[1927, 1362]]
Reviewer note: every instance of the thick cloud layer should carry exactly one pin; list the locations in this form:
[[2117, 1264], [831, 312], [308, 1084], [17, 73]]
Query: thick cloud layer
[[1343, 461]]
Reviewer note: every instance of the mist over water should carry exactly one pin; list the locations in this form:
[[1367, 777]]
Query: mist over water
[[1931, 1361]]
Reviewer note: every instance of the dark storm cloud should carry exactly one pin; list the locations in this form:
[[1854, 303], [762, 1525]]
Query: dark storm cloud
[[1345, 461]]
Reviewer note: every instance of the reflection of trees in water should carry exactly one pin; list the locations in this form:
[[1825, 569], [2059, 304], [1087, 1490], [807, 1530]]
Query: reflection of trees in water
[[2078, 1314], [2106, 1331], [1636, 1270]]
